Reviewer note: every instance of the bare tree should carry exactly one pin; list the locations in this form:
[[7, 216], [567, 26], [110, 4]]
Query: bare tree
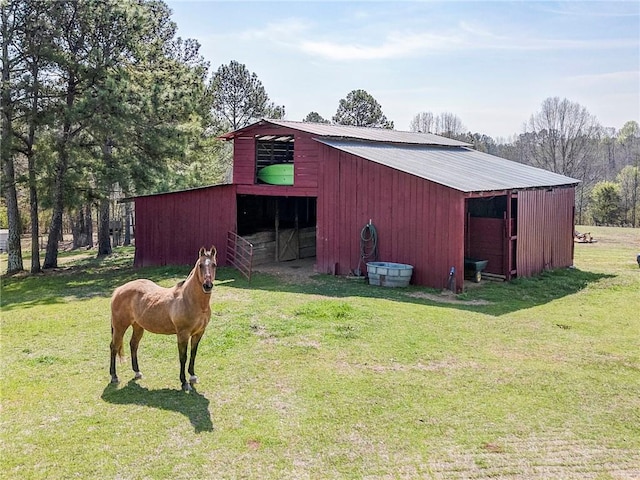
[[424, 122], [446, 124], [564, 138], [450, 125]]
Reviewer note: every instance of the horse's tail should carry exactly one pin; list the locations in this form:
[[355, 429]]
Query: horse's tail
[[120, 351]]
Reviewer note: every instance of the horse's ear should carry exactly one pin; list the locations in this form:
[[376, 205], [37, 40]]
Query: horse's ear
[[214, 253], [201, 252]]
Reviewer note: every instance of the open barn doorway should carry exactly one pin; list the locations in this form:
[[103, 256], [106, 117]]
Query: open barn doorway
[[490, 234], [280, 228]]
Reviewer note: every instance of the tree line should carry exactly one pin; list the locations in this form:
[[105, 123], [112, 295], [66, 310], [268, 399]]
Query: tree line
[[562, 137], [102, 100]]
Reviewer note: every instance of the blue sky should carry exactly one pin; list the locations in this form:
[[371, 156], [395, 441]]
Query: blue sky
[[490, 63]]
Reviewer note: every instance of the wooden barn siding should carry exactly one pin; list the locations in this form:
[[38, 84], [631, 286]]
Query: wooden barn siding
[[486, 242], [276, 191], [171, 228], [244, 160], [545, 230], [305, 162], [418, 222]]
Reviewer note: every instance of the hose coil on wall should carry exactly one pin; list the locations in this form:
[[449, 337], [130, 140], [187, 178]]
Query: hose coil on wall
[[368, 247]]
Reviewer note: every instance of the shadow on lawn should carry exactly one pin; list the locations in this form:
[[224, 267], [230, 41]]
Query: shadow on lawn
[[87, 279], [98, 277], [491, 298], [192, 405]]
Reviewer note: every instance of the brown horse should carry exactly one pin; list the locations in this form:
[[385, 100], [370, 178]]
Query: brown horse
[[182, 310]]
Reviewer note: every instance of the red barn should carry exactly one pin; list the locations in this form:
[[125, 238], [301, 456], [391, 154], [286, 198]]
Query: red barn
[[433, 201]]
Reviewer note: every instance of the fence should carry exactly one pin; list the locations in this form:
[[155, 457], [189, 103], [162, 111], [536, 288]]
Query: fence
[[240, 254]]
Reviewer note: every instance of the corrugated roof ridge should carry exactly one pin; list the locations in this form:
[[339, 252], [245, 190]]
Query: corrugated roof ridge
[[379, 134], [339, 125]]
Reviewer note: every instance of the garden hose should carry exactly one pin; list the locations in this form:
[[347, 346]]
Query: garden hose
[[368, 246]]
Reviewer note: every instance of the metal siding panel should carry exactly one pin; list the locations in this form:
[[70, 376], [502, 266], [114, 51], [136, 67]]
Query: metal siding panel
[[545, 230], [524, 234]]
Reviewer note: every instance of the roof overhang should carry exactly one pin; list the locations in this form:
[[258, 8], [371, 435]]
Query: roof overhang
[[462, 169]]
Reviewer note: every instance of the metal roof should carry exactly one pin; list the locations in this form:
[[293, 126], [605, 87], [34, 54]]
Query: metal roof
[[462, 169], [359, 133]]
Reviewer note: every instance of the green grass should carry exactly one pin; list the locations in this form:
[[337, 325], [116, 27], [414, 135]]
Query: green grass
[[332, 378]]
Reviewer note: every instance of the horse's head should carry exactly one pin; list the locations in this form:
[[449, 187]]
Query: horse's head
[[206, 268]]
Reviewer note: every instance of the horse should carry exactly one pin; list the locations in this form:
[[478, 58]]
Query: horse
[[182, 310]]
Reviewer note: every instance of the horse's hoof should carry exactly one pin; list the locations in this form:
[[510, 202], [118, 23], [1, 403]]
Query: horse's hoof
[[193, 380], [186, 387], [137, 376], [115, 380]]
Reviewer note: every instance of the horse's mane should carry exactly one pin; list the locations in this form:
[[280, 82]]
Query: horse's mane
[[181, 283]]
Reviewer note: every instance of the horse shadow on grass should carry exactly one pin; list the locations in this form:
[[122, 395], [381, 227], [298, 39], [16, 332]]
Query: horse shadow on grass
[[192, 405]]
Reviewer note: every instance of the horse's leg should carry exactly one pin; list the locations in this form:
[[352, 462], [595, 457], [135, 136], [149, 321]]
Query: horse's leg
[[116, 350], [195, 340], [183, 341], [135, 341]]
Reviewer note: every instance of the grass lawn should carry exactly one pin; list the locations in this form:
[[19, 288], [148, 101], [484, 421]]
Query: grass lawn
[[330, 378]]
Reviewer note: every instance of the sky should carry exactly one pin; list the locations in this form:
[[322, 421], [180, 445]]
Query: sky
[[490, 63]]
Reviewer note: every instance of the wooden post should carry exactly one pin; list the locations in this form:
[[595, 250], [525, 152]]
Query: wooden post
[[277, 254], [297, 231]]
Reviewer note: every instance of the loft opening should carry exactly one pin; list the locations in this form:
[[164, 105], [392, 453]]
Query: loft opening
[[272, 151]]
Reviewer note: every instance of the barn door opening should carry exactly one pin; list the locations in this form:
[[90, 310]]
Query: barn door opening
[[280, 228], [287, 236], [490, 234]]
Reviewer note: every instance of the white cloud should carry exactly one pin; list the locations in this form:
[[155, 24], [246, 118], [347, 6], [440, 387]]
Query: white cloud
[[285, 29], [395, 45], [608, 78], [299, 35]]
